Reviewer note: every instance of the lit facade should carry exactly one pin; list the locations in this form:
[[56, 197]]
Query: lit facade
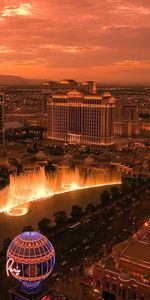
[[30, 260], [1, 118], [65, 85], [81, 118], [125, 274], [126, 121]]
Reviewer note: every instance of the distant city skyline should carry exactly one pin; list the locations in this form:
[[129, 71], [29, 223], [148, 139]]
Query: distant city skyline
[[106, 41]]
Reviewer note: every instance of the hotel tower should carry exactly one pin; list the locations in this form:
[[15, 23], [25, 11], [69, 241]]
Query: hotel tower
[[79, 117]]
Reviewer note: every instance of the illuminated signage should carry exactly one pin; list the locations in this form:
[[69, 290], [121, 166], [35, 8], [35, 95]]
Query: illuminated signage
[[10, 269]]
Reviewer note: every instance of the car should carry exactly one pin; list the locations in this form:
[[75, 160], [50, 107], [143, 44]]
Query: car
[[54, 275], [86, 221], [109, 228], [85, 241], [64, 263], [87, 247]]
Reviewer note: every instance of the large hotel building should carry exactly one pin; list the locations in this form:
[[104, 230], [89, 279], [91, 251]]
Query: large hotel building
[[1, 118], [80, 117]]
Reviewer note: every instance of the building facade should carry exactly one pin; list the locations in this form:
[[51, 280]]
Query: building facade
[[65, 85], [126, 121], [1, 118], [125, 273], [82, 118]]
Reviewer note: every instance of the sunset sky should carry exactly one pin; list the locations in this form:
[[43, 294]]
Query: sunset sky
[[104, 40]]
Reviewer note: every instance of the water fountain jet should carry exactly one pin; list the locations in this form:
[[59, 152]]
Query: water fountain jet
[[37, 186]]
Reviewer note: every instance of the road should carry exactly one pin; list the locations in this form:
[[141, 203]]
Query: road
[[73, 247]]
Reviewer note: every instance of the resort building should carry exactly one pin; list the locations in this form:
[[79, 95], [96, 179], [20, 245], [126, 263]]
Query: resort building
[[82, 118], [125, 273]]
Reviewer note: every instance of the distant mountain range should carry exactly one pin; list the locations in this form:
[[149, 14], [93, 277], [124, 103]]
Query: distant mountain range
[[11, 80], [17, 80]]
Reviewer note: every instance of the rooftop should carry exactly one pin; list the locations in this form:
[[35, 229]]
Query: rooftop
[[137, 249], [78, 92]]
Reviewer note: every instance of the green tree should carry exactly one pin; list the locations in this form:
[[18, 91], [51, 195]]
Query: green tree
[[76, 212], [94, 222], [4, 172], [14, 162], [90, 208], [60, 218], [34, 148], [49, 167], [27, 228], [44, 225], [114, 192], [6, 243], [105, 198]]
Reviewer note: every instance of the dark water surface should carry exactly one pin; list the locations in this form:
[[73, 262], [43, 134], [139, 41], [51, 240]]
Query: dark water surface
[[11, 226]]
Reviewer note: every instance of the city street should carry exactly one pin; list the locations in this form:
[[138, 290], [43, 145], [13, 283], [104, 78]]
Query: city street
[[77, 250]]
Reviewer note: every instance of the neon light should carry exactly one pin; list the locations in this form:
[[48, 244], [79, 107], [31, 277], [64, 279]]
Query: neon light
[[27, 269], [15, 199], [10, 269], [16, 211]]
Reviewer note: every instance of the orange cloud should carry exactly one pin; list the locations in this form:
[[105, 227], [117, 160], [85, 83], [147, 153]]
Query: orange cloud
[[105, 40]]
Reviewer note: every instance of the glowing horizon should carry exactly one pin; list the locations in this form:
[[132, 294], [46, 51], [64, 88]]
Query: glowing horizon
[[47, 39]]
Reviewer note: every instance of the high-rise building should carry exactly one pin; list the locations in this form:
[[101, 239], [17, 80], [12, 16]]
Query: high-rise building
[[65, 85], [81, 118], [1, 118], [126, 120]]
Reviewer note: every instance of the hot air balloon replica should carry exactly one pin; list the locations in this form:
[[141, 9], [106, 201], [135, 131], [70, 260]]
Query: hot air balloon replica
[[30, 259]]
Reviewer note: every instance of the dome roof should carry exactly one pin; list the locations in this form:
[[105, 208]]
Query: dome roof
[[30, 245]]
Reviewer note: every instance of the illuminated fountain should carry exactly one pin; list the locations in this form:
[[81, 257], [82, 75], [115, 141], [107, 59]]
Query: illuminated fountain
[[28, 187], [69, 187], [24, 189]]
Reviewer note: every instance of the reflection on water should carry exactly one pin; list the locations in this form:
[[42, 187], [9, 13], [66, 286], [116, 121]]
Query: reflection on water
[[11, 226], [37, 185]]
